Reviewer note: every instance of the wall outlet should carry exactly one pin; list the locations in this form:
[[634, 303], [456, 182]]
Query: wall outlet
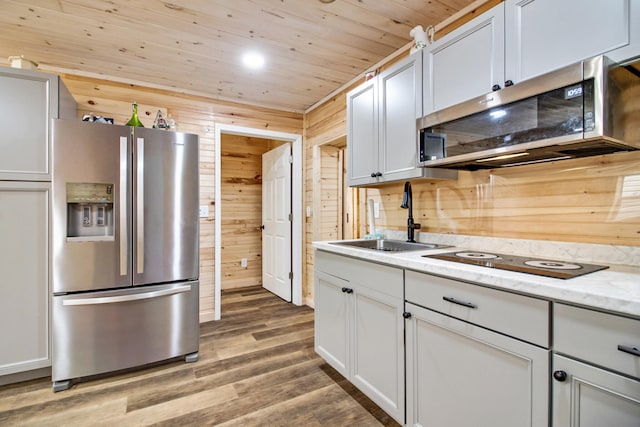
[[376, 210], [243, 262], [204, 211], [308, 211]]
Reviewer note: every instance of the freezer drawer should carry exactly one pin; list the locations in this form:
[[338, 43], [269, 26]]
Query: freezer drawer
[[100, 332]]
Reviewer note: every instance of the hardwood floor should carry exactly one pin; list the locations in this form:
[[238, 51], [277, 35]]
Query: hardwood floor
[[257, 367]]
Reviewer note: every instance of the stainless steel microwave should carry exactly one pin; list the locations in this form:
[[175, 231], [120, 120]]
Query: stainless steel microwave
[[576, 111]]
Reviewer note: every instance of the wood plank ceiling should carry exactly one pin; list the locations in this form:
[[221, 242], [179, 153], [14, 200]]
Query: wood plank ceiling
[[195, 46]]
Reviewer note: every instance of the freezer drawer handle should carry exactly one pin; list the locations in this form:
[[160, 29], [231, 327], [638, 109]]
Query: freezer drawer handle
[[125, 298]]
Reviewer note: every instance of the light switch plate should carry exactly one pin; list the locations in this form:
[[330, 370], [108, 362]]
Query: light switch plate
[[204, 211]]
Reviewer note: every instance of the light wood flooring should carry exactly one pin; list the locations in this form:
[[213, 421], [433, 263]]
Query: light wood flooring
[[257, 367]]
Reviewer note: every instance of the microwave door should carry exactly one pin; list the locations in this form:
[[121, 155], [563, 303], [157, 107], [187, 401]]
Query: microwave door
[[91, 204], [166, 199]]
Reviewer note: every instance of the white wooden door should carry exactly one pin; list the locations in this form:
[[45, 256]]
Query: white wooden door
[[24, 263], [362, 134], [593, 397], [378, 346], [276, 221], [400, 105], [465, 63], [544, 35], [332, 313], [462, 375]]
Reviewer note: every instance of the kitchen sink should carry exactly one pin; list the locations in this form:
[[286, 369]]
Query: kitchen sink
[[389, 245]]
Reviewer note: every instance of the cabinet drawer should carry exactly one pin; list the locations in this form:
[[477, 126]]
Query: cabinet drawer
[[381, 278], [595, 337], [519, 316]]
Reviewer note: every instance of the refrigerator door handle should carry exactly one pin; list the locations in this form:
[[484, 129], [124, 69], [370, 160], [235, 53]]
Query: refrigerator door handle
[[130, 297], [140, 207], [124, 238]]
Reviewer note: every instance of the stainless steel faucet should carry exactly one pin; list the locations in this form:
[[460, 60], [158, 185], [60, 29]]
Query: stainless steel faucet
[[407, 203]]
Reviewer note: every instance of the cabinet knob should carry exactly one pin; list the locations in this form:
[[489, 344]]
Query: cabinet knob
[[495, 87], [344, 289], [560, 376], [508, 83], [349, 290], [406, 315], [373, 174]]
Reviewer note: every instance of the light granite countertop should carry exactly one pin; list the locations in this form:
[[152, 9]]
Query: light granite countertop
[[616, 289]]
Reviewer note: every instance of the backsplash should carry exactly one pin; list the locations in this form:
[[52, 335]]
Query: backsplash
[[592, 200]]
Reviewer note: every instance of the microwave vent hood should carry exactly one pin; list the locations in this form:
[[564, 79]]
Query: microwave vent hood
[[578, 111]]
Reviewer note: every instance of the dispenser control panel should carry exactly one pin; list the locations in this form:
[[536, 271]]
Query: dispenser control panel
[[90, 211]]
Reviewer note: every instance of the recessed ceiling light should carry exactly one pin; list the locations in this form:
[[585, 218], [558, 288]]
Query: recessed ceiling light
[[253, 60]]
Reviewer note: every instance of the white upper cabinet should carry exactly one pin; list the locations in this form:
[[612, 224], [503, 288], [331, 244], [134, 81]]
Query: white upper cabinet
[[544, 35], [466, 62], [362, 133], [520, 39], [28, 100], [381, 125]]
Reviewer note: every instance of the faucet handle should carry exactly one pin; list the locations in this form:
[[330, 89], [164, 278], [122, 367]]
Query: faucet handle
[[416, 226]]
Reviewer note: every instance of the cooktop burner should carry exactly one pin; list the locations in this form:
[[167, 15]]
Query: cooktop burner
[[541, 267]]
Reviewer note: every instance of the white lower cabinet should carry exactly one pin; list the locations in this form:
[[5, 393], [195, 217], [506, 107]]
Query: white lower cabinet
[[460, 375], [359, 328], [470, 355], [587, 396], [465, 375], [24, 263], [596, 369]]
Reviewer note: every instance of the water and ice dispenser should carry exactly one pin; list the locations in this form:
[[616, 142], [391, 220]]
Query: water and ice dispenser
[[90, 211]]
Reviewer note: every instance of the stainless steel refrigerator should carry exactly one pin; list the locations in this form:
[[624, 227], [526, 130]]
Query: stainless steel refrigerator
[[125, 248]]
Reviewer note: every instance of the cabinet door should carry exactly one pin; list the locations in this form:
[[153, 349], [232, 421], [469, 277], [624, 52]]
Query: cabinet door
[[25, 109], [378, 349], [24, 263], [593, 397], [331, 321], [466, 62], [544, 35], [400, 106], [362, 133], [459, 374]]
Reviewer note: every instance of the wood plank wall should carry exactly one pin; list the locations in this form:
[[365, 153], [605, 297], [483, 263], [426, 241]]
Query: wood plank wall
[[591, 200], [241, 189], [194, 115], [587, 200]]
